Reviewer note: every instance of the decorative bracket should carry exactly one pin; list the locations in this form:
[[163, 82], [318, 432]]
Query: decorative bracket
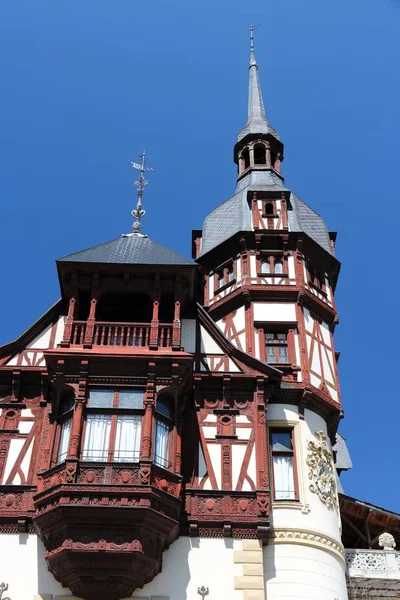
[[3, 588]]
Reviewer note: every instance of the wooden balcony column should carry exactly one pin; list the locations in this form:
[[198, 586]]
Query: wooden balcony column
[[153, 344], [71, 312], [147, 423], [92, 312], [77, 419], [176, 327]]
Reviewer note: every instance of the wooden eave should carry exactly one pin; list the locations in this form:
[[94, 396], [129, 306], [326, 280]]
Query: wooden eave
[[9, 350], [362, 523], [87, 268]]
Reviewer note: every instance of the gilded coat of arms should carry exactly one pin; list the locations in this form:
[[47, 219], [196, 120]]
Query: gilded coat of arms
[[322, 471]]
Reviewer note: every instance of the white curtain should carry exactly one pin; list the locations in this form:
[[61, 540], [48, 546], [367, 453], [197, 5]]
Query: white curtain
[[64, 440], [283, 478], [161, 444], [97, 437], [127, 440]]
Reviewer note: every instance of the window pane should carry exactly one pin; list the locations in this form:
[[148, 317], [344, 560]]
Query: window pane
[[64, 440], [161, 444], [164, 407], [131, 398], [269, 337], [265, 266], [127, 439], [283, 357], [281, 440], [278, 266], [100, 398], [97, 437], [230, 273], [271, 354], [283, 478], [281, 337]]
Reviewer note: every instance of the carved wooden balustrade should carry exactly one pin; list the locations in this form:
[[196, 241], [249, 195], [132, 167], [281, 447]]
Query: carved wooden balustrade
[[126, 335], [105, 525], [228, 514]]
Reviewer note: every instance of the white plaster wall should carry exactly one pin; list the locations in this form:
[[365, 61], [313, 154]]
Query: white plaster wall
[[270, 312], [296, 571], [25, 551], [193, 562], [291, 269], [208, 344]]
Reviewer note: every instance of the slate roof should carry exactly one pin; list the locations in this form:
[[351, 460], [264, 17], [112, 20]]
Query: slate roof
[[234, 215], [129, 249]]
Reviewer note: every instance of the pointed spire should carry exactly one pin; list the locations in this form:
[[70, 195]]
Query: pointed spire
[[140, 184], [257, 120]]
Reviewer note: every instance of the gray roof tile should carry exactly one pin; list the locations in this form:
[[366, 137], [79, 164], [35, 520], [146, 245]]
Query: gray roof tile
[[130, 249]]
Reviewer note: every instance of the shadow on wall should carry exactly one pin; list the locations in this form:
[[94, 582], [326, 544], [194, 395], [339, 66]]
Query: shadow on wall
[[47, 585]]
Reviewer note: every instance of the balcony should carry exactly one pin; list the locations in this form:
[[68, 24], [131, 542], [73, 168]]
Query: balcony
[[373, 574], [105, 525], [103, 334]]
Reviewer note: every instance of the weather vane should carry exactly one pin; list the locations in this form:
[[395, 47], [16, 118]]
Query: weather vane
[[139, 212]]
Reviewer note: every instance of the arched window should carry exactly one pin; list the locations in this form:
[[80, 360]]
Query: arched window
[[278, 267], [260, 157], [163, 426], [265, 266], [246, 157], [65, 421], [269, 209]]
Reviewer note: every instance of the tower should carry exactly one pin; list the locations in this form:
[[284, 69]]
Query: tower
[[166, 427]]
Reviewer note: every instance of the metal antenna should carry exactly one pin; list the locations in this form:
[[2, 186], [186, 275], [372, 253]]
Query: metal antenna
[[139, 212]]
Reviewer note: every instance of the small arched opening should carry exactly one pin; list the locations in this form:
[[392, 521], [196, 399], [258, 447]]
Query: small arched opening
[[246, 157], [260, 156], [124, 307]]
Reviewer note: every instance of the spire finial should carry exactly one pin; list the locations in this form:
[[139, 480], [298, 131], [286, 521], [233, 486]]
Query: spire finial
[[256, 119], [140, 184]]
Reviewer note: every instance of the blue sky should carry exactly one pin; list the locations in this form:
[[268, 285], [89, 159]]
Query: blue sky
[[85, 85]]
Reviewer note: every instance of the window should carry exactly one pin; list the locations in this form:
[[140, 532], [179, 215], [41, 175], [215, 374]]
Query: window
[[163, 426], [276, 347], [281, 443], [269, 209], [265, 266], [113, 425], [315, 277], [225, 275], [271, 265], [65, 423]]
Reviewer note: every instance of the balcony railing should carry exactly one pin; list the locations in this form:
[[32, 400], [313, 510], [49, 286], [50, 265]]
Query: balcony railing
[[127, 335], [382, 564]]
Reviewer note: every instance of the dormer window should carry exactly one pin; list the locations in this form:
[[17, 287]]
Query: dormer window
[[269, 209], [163, 427], [113, 425]]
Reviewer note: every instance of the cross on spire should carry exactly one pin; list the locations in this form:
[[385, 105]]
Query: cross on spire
[[139, 212]]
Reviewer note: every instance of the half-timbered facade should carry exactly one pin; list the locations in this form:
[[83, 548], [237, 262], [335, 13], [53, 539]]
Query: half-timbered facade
[[166, 428]]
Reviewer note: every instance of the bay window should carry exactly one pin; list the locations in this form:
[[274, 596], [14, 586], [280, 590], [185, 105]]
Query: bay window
[[283, 467], [163, 427], [113, 425]]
